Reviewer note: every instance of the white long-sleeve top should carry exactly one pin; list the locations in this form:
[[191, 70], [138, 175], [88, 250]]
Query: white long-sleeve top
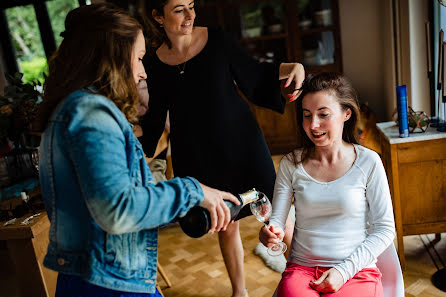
[[346, 223]]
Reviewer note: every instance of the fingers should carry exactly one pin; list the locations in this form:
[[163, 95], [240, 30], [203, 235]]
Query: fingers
[[213, 213], [288, 81], [300, 75], [277, 231], [230, 197], [214, 202], [226, 216], [321, 279], [297, 75], [329, 282], [221, 216], [267, 238], [293, 96], [319, 284]]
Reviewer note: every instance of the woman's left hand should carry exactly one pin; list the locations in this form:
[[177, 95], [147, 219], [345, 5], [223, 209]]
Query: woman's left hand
[[292, 72], [329, 282]]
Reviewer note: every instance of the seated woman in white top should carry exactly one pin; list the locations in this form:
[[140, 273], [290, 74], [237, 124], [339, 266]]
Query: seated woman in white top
[[344, 216]]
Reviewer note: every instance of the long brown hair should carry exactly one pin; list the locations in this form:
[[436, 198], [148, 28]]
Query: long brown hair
[[152, 28], [96, 51], [343, 91]]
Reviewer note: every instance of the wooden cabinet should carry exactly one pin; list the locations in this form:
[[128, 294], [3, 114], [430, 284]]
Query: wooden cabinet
[[416, 170], [27, 245], [280, 31]]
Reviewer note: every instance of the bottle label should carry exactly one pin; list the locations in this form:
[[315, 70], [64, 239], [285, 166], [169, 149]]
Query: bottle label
[[249, 196]]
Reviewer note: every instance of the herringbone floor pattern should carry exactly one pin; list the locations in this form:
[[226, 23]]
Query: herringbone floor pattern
[[195, 266]]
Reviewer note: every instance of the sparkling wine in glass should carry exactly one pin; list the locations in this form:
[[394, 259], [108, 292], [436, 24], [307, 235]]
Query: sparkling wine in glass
[[262, 210]]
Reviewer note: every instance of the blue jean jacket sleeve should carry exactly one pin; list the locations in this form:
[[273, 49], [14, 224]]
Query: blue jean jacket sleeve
[[112, 173]]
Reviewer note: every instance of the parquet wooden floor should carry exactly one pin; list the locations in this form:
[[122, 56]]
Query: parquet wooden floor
[[195, 266]]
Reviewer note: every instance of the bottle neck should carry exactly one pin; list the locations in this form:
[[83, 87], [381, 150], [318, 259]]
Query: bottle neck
[[249, 196]]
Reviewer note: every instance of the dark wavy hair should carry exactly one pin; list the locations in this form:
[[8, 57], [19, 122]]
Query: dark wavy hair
[[341, 88], [96, 51], [152, 28]]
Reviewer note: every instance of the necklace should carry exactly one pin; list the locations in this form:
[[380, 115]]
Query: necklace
[[182, 67]]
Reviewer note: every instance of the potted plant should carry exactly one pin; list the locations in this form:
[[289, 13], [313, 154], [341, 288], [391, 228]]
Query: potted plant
[[18, 109]]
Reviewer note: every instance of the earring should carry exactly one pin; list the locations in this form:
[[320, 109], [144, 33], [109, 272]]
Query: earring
[[161, 25]]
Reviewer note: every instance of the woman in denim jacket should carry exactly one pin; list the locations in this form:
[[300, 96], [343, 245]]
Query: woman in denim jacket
[[99, 193]]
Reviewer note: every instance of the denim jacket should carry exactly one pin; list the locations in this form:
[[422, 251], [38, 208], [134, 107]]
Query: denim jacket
[[100, 196]]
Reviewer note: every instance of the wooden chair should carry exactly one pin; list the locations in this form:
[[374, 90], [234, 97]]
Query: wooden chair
[[163, 275]]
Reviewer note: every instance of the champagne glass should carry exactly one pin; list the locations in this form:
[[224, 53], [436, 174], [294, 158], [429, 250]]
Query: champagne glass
[[262, 209]]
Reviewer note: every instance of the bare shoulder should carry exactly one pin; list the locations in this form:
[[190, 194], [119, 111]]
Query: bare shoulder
[[201, 35]]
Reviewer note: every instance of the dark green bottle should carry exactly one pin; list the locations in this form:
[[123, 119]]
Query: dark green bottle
[[197, 222]]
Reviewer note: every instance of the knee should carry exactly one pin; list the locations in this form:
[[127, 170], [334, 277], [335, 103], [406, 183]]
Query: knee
[[231, 231]]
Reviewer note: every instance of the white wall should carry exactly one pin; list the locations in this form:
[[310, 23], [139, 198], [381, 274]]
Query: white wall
[[367, 51], [418, 14], [389, 64]]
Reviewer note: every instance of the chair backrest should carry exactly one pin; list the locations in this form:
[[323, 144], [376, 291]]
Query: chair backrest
[[392, 277]]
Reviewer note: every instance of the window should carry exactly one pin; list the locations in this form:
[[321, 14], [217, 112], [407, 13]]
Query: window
[[34, 34]]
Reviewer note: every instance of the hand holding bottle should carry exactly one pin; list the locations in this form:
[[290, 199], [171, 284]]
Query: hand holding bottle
[[219, 211]]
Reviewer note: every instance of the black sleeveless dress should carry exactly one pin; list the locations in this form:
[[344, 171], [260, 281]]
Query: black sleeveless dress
[[214, 136]]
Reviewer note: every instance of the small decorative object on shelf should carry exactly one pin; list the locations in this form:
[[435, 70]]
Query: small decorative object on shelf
[[418, 121], [323, 17]]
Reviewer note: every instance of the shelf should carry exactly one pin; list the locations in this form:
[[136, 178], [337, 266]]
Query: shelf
[[264, 37], [317, 30]]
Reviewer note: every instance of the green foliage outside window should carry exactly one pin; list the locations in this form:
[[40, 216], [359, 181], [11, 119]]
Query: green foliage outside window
[[26, 39], [33, 70]]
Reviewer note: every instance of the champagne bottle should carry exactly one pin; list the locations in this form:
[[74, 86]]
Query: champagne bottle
[[197, 222]]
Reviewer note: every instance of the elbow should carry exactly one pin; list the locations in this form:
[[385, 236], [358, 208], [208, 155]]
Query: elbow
[[115, 229], [393, 233], [116, 224]]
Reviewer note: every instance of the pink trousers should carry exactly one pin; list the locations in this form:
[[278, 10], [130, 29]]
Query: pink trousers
[[296, 278]]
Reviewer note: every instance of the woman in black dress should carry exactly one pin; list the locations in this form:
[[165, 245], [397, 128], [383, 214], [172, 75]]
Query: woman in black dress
[[194, 75]]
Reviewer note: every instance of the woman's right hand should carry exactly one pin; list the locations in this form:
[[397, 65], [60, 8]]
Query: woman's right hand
[[214, 203], [271, 235]]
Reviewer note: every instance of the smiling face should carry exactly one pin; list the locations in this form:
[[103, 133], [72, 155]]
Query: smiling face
[[177, 18], [138, 52], [323, 118]]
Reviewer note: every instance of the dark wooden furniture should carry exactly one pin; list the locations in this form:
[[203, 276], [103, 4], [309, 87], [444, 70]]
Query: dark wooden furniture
[[27, 246], [416, 170], [280, 31]]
